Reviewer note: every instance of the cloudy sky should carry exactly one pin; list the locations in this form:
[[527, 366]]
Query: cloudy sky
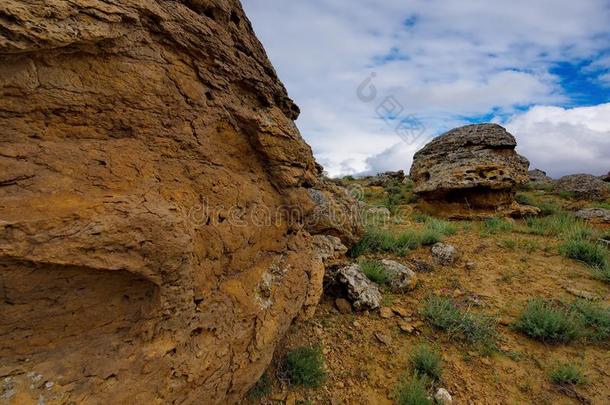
[[376, 79]]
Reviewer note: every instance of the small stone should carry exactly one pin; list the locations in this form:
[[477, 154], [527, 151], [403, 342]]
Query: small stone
[[340, 384], [406, 327], [326, 350], [444, 254], [400, 311], [486, 361], [400, 277], [383, 338], [343, 306], [443, 397], [470, 266], [504, 321], [363, 293], [457, 292], [422, 266], [357, 324], [583, 294], [49, 384], [386, 312]]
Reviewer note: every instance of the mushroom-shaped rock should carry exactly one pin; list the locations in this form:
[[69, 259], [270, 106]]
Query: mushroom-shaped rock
[[474, 166]]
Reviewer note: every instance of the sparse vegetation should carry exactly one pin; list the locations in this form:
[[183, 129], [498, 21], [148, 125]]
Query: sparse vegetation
[[305, 367], [413, 391], [474, 328], [261, 389], [496, 225], [587, 252], [374, 271], [426, 361], [596, 319], [549, 322], [378, 240], [566, 374]]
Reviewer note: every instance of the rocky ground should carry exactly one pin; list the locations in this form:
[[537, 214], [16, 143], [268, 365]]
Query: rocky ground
[[500, 266]]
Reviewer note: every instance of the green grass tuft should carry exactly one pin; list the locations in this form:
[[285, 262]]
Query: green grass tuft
[[375, 271], [474, 328], [426, 361], [305, 367], [596, 318], [546, 321], [587, 252], [566, 374], [496, 225], [413, 391]]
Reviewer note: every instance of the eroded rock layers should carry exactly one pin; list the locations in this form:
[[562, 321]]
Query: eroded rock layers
[[157, 203]]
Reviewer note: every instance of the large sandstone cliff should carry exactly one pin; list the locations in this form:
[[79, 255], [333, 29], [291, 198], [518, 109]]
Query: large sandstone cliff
[[157, 203]]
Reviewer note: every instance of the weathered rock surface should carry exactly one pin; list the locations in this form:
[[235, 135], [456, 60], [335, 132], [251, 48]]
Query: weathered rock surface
[[385, 178], [583, 187], [400, 277], [147, 157], [606, 177], [444, 254], [601, 215], [362, 292], [539, 178], [473, 167]]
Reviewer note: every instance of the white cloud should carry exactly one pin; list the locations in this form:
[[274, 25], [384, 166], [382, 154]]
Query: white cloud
[[458, 59], [564, 141]]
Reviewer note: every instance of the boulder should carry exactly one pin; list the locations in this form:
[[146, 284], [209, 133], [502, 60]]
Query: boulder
[[443, 397], [473, 167], [400, 277], [583, 187], [600, 215], [157, 203], [606, 177], [538, 178], [362, 292], [444, 254]]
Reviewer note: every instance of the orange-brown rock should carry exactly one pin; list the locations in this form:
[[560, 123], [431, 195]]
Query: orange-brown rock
[[470, 171], [155, 203]]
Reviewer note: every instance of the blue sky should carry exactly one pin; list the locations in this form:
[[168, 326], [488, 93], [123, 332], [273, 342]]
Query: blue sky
[[539, 67]]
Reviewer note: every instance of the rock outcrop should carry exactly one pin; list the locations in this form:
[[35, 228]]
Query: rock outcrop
[[385, 178], [583, 187], [470, 168], [601, 215], [157, 203], [538, 178]]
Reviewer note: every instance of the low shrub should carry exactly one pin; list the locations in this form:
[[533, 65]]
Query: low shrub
[[596, 319], [426, 361], [474, 328], [566, 374], [305, 367], [549, 322], [413, 391], [587, 252]]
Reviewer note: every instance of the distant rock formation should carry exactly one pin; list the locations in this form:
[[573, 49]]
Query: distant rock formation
[[469, 169], [157, 203], [583, 187], [538, 178], [383, 179]]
